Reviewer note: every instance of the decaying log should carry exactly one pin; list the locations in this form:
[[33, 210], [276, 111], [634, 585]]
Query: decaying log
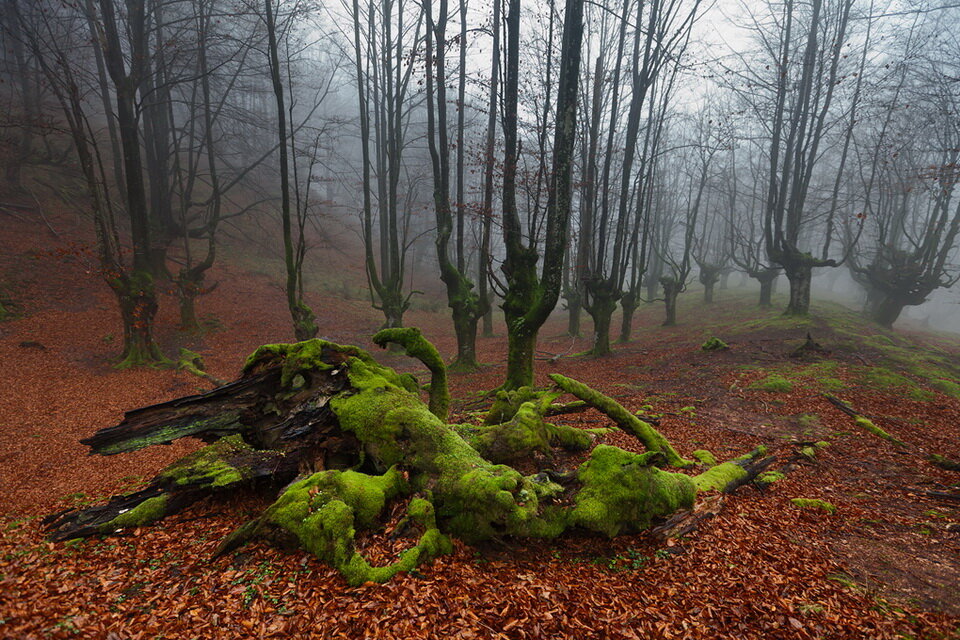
[[355, 438]]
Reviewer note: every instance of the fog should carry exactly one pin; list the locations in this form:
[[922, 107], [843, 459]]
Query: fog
[[529, 156]]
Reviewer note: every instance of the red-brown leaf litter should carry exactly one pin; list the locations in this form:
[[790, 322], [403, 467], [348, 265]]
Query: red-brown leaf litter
[[886, 565]]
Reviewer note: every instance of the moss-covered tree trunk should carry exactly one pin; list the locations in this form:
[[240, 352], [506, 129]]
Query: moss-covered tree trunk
[[137, 298]]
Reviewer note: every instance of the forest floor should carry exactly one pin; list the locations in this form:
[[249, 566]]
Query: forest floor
[[885, 565]]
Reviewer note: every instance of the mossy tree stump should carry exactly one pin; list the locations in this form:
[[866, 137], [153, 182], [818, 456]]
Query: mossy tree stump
[[347, 437]]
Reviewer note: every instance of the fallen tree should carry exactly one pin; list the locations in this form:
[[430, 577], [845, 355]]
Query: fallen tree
[[347, 437]]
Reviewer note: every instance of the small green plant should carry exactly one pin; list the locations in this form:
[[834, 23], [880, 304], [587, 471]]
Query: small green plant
[[774, 383]]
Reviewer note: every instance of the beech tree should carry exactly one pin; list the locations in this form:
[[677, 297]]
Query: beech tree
[[466, 305], [386, 37], [661, 34], [532, 293], [802, 78], [909, 171]]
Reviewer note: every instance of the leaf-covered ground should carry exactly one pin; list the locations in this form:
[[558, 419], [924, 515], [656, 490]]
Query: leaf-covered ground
[[886, 565]]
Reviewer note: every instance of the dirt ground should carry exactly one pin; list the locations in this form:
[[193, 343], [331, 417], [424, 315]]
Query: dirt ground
[[886, 565]]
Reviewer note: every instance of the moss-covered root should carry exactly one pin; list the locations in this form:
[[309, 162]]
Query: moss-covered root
[[623, 491], [507, 403], [867, 424], [652, 439], [416, 346], [523, 435], [943, 462], [324, 511]]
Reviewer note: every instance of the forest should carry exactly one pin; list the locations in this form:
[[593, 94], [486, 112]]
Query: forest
[[479, 319]]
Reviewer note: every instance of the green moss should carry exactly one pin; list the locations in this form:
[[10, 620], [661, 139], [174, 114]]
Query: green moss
[[867, 424], [769, 477], [506, 403], [324, 510], [808, 421], [808, 452], [813, 503], [946, 387], [821, 444], [652, 439], [705, 457], [150, 510], [881, 378], [774, 383], [714, 344], [623, 491], [210, 465], [719, 477], [572, 438], [525, 433], [301, 357], [416, 346]]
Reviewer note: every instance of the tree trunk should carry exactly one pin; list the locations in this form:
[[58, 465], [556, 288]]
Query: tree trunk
[[766, 279], [887, 310], [465, 327], [521, 347], [671, 290], [628, 303], [574, 307], [138, 309], [187, 296], [799, 277], [708, 293], [601, 311]]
